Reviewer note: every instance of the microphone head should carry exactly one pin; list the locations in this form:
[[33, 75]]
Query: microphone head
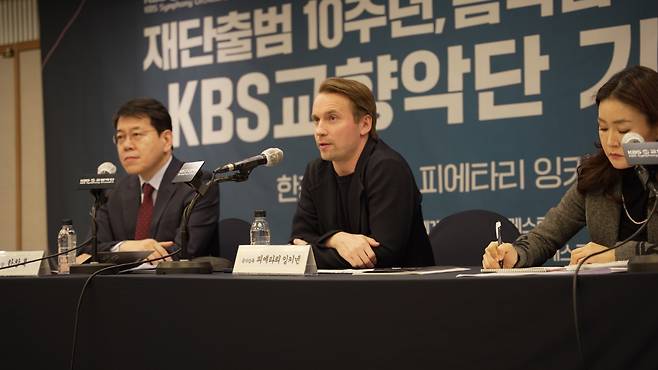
[[632, 137], [106, 168], [273, 156]]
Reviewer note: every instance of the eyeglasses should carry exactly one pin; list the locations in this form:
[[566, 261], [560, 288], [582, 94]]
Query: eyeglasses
[[135, 137]]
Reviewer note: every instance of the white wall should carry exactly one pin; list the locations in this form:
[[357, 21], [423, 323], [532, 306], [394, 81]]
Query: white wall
[[31, 198], [33, 157], [7, 155]]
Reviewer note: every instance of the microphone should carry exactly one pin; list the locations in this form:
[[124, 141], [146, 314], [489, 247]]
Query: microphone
[[631, 139], [104, 178], [190, 173], [638, 152], [269, 157], [106, 168]]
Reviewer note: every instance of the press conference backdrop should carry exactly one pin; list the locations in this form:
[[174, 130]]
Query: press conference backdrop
[[490, 102]]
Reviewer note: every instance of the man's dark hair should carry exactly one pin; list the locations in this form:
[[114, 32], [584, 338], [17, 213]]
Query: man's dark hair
[[146, 107]]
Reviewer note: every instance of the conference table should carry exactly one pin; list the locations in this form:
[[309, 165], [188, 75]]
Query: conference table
[[224, 321]]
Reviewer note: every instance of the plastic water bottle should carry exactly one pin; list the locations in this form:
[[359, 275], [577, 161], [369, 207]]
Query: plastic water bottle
[[66, 241], [260, 229]]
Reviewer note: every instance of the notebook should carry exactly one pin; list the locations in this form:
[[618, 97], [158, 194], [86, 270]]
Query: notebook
[[526, 269], [587, 266]]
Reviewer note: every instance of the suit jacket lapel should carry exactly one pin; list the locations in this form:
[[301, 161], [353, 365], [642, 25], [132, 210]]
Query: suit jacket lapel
[[358, 186], [326, 193], [130, 201], [165, 193]]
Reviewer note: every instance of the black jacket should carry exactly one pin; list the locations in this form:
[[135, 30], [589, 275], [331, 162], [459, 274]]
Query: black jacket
[[385, 205], [118, 217]]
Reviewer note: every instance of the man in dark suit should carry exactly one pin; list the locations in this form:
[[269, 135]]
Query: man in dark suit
[[359, 205], [144, 210]]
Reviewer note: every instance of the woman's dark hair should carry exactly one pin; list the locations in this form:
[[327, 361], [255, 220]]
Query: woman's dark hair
[[146, 107], [637, 87]]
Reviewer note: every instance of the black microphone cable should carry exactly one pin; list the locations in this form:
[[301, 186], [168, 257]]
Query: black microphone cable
[[46, 257], [84, 288], [575, 281]]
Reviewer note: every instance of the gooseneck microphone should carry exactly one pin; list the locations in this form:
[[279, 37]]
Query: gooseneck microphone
[[632, 137], [106, 168], [637, 152], [269, 157], [640, 170], [104, 179], [190, 174]]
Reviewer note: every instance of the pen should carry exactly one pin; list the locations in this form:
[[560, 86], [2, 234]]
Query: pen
[[499, 238]]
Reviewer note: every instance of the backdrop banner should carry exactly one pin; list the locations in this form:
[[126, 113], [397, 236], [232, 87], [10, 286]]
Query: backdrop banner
[[490, 102]]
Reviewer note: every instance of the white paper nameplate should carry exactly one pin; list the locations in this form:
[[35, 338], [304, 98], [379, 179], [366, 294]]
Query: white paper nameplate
[[13, 257], [275, 260]]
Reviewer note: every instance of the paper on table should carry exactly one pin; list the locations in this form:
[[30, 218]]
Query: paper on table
[[500, 274], [521, 270], [592, 266], [586, 269], [545, 269], [397, 270], [343, 271], [413, 270]]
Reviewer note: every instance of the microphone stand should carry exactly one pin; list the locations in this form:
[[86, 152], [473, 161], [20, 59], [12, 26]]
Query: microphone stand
[[646, 262], [185, 266], [94, 265], [638, 263]]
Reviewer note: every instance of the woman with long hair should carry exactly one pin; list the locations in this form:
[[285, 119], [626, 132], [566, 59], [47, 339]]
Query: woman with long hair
[[608, 198]]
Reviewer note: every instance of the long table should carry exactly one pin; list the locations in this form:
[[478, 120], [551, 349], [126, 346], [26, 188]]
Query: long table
[[222, 321]]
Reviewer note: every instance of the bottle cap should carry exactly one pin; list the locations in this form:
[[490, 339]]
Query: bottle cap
[[260, 213], [67, 221]]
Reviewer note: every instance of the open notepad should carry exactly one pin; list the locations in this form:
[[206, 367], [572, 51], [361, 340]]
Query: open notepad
[[539, 269], [525, 269]]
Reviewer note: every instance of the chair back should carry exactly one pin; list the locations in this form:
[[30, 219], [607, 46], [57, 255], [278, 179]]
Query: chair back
[[232, 233], [460, 239]]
